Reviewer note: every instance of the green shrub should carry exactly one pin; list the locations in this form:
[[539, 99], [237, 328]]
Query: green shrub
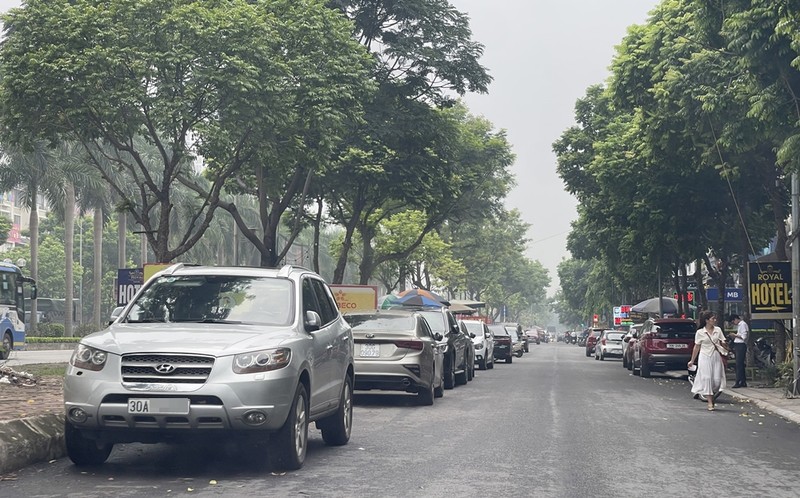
[[50, 340], [49, 330]]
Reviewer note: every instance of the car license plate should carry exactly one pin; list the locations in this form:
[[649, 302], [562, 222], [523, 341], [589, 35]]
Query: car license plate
[[156, 406], [677, 346], [370, 350]]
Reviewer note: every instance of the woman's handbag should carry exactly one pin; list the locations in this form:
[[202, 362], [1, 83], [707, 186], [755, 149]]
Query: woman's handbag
[[723, 353]]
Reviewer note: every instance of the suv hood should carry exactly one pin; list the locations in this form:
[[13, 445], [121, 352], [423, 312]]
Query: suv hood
[[213, 339]]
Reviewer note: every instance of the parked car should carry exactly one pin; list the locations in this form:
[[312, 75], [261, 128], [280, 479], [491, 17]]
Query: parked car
[[628, 340], [457, 367], [609, 344], [502, 343], [591, 337], [396, 350], [202, 352], [483, 340], [663, 344]]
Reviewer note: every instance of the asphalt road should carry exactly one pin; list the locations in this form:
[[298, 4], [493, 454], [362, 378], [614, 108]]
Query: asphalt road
[[553, 423]]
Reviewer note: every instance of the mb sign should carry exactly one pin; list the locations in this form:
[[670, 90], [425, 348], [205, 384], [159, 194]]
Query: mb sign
[[129, 280], [770, 290]]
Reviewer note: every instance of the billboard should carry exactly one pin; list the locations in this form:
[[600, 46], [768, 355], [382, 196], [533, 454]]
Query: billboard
[[770, 290], [352, 298]]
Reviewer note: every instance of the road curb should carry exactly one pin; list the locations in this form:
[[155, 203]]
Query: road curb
[[30, 440], [766, 405]]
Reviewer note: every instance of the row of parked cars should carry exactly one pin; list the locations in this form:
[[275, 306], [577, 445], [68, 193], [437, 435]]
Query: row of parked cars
[[257, 356], [657, 345], [423, 350]]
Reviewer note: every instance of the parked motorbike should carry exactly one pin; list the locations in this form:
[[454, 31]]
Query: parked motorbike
[[764, 355]]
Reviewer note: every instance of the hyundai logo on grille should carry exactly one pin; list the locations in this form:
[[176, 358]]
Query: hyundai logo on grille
[[164, 368]]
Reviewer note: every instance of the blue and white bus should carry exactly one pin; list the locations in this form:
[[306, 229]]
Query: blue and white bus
[[12, 307]]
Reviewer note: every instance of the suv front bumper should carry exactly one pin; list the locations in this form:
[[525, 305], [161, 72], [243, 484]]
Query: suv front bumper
[[220, 403]]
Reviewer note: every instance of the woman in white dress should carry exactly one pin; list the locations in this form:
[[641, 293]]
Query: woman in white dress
[[709, 341]]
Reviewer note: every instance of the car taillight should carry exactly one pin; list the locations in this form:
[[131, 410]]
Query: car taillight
[[417, 345]]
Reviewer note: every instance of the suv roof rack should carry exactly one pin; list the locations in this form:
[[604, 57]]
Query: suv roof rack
[[286, 269]]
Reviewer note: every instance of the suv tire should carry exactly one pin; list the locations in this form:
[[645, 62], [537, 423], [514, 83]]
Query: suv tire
[[509, 359], [336, 428], [289, 445], [84, 451]]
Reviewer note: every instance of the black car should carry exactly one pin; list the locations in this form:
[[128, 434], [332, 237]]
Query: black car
[[502, 343], [459, 360]]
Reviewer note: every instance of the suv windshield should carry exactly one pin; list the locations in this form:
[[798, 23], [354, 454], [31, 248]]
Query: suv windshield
[[435, 320], [474, 327], [215, 298], [675, 330], [498, 330]]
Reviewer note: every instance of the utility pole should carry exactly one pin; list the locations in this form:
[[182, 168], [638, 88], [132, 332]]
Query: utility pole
[[795, 280]]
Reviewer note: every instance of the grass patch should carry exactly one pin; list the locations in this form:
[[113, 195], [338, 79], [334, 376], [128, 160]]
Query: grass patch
[[43, 369]]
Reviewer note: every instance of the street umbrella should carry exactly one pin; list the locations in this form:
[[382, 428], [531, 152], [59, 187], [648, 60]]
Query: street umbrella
[[387, 301], [669, 305], [420, 297]]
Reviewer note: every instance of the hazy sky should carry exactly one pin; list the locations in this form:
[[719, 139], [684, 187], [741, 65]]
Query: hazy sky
[[542, 54]]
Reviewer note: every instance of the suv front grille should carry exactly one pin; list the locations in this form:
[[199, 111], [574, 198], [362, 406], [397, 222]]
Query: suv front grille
[[182, 369]]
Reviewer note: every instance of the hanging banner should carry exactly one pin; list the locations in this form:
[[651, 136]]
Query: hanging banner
[[770, 290]]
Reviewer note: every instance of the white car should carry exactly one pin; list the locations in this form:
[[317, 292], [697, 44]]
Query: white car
[[483, 342]]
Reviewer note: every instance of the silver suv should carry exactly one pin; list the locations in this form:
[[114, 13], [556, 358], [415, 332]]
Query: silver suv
[[211, 351]]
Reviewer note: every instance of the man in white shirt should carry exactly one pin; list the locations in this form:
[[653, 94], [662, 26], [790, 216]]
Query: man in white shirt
[[739, 348]]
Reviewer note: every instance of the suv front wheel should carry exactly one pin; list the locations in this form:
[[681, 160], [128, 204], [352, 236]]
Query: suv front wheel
[[84, 451], [288, 446]]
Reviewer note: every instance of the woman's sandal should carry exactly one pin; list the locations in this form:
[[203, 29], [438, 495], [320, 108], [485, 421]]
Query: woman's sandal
[[711, 408]]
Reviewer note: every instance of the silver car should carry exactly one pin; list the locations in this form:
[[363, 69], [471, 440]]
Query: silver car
[[397, 351], [483, 339], [210, 351]]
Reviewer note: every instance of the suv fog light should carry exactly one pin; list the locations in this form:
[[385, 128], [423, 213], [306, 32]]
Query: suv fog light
[[77, 414], [254, 418]]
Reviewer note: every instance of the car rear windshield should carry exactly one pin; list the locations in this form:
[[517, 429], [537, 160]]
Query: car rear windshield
[[615, 336], [474, 327], [676, 330], [380, 322], [498, 330]]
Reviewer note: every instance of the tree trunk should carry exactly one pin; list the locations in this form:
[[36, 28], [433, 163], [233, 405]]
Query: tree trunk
[[122, 229], [317, 226], [69, 253], [97, 232]]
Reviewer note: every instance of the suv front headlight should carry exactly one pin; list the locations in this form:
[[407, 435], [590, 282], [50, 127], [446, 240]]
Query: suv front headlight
[[88, 358], [261, 361]]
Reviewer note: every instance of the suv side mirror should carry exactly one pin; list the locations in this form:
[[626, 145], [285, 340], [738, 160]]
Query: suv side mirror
[[115, 314], [313, 321], [438, 336]]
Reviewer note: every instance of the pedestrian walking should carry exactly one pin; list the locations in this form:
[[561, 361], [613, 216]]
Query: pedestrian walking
[[739, 348], [709, 345]]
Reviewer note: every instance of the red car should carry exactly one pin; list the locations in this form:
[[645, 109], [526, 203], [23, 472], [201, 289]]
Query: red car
[[663, 344], [591, 340]]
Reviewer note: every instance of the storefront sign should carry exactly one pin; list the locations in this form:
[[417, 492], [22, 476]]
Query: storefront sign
[[770, 290], [351, 298]]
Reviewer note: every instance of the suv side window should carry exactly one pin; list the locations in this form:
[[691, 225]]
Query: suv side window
[[309, 298], [327, 308]]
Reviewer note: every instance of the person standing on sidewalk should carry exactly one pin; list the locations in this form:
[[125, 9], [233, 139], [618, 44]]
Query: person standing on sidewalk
[[739, 348]]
